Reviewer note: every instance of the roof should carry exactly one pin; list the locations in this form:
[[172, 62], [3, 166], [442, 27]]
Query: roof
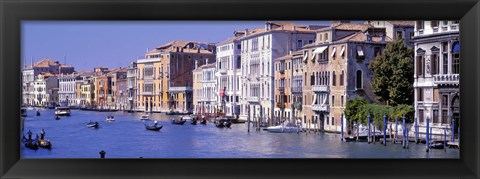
[[229, 40], [286, 57], [282, 26], [181, 45], [362, 37], [402, 23], [210, 65], [115, 70]]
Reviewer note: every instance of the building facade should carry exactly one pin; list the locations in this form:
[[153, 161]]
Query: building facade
[[132, 86], [437, 73], [397, 29], [259, 48], [165, 75], [43, 86], [228, 75]]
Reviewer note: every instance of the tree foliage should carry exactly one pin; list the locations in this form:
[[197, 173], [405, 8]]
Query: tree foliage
[[358, 109], [393, 74]]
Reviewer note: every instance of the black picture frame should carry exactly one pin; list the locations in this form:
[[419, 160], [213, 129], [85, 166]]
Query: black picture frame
[[12, 12]]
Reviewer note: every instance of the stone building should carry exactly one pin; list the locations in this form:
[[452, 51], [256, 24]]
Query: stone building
[[165, 75], [132, 86], [259, 48], [437, 73], [205, 87]]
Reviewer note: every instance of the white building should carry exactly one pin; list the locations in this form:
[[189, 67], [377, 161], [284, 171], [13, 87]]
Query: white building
[[228, 75], [42, 86], [259, 48], [209, 85], [67, 90], [437, 73], [132, 86]]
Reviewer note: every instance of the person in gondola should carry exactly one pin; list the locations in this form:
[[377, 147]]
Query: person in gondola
[[155, 125], [29, 135], [42, 134], [38, 112]]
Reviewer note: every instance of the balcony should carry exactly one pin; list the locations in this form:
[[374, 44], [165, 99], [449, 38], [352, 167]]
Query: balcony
[[446, 79], [281, 89], [297, 89], [320, 88], [253, 99], [180, 89], [222, 71], [318, 107], [147, 93]]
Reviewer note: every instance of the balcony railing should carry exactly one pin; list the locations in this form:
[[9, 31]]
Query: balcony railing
[[320, 88], [253, 99], [179, 89], [446, 79], [322, 108], [297, 89], [147, 93], [222, 70]]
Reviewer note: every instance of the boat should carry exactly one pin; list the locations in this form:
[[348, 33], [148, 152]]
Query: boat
[[180, 121], [145, 117], [436, 145], [171, 113], [363, 134], [110, 119], [30, 143], [62, 111], [287, 127], [193, 122], [203, 121], [44, 143], [153, 128], [222, 122], [38, 113], [23, 112], [93, 124], [57, 117]]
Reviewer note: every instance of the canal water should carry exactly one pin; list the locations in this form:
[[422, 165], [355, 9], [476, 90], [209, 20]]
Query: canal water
[[128, 138]]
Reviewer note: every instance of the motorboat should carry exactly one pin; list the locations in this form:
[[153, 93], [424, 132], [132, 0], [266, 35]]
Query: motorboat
[[93, 124], [110, 119], [62, 111], [287, 127], [362, 135], [145, 117], [23, 112], [180, 121], [153, 128]]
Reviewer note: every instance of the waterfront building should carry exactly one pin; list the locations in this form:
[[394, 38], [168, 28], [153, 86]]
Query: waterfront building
[[259, 48], [284, 80], [209, 85], [43, 85], [397, 29], [228, 75], [52, 97], [132, 86], [117, 96], [165, 75], [197, 89], [67, 89], [331, 71], [102, 87], [437, 74], [87, 93], [29, 73]]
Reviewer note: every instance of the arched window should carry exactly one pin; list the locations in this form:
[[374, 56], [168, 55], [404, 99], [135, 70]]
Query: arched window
[[456, 58], [359, 80]]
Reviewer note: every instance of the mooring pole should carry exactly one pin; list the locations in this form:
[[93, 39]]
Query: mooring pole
[[445, 138], [403, 132], [384, 130], [368, 121], [341, 121], [248, 117], [396, 130], [427, 142], [416, 131], [453, 130], [374, 132]]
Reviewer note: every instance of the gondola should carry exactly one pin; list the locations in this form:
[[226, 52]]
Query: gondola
[[30, 143], [93, 124], [38, 113], [44, 143], [204, 121], [57, 117], [193, 121], [178, 122], [436, 145], [153, 128], [222, 122]]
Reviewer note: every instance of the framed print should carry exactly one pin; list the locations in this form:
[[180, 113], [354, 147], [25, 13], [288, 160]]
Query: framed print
[[239, 89]]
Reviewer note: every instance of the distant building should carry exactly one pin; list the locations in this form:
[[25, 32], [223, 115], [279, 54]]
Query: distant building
[[132, 86], [437, 73], [165, 75], [29, 73], [43, 87], [397, 29]]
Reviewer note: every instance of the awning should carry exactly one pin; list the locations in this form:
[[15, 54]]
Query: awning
[[343, 50], [325, 97], [456, 47], [305, 55], [333, 52], [314, 99], [320, 49]]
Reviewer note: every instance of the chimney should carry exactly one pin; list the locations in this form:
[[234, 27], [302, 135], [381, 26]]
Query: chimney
[[177, 49], [198, 50], [206, 61], [196, 64], [246, 32]]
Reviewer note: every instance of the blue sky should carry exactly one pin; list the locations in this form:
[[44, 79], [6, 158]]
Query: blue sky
[[87, 44]]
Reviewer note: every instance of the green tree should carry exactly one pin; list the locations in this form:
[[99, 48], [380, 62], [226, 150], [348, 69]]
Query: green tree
[[355, 110], [393, 74]]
